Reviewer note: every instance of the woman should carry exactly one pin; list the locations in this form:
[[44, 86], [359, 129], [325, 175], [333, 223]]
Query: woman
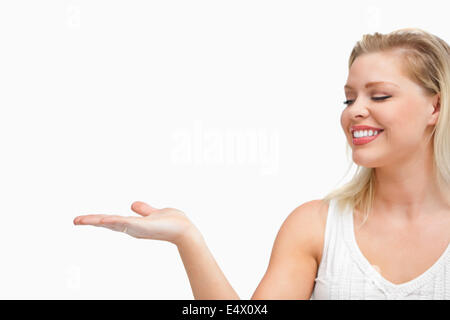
[[383, 235]]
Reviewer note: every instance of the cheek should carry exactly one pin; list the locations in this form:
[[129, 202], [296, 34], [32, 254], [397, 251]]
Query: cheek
[[401, 120], [345, 120]]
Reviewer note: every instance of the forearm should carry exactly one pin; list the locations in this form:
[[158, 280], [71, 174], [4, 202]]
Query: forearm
[[205, 276]]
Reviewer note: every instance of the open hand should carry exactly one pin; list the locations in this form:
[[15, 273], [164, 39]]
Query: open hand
[[158, 224]]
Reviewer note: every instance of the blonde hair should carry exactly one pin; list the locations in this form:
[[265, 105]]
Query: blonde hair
[[427, 62]]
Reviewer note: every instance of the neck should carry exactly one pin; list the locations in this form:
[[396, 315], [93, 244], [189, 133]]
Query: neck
[[409, 189]]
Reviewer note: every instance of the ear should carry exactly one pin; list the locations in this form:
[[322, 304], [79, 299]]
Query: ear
[[436, 108]]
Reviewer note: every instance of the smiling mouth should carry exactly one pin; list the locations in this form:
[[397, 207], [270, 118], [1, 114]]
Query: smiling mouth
[[365, 139]]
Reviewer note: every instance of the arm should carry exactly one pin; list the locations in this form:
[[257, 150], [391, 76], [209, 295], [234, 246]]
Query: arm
[[293, 262], [292, 268], [206, 278]]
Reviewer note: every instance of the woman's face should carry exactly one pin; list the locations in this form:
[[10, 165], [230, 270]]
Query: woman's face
[[407, 114]]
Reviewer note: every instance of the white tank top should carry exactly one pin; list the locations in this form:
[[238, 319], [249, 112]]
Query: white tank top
[[344, 273]]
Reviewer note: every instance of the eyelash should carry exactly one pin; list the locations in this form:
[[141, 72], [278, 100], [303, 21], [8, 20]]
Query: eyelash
[[348, 102]]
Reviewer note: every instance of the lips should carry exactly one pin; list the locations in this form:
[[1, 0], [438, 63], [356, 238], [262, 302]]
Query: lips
[[364, 140], [364, 127]]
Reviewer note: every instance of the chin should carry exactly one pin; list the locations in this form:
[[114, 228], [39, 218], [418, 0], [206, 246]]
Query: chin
[[368, 162]]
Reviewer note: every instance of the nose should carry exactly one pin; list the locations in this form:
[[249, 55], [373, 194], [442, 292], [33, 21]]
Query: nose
[[359, 108]]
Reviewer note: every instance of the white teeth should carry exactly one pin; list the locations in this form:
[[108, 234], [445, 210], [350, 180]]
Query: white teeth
[[364, 133]]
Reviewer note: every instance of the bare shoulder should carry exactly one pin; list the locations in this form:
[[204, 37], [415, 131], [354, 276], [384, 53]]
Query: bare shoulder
[[314, 209], [293, 263], [309, 219]]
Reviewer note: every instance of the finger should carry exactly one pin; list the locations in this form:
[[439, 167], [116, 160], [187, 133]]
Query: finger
[[142, 208], [116, 223], [84, 219], [91, 219]]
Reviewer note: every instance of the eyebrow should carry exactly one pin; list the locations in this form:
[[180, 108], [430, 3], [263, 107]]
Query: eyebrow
[[374, 83]]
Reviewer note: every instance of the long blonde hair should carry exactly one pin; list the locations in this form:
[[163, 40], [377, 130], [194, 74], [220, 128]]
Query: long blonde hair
[[427, 61]]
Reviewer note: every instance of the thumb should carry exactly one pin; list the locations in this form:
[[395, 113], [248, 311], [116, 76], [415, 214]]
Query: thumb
[[142, 208]]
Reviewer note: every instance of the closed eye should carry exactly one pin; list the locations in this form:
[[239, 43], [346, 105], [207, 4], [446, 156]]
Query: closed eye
[[348, 102]]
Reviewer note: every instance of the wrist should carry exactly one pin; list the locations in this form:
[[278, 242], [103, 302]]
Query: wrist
[[191, 236]]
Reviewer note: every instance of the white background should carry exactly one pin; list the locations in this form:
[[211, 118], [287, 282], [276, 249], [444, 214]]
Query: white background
[[104, 103]]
